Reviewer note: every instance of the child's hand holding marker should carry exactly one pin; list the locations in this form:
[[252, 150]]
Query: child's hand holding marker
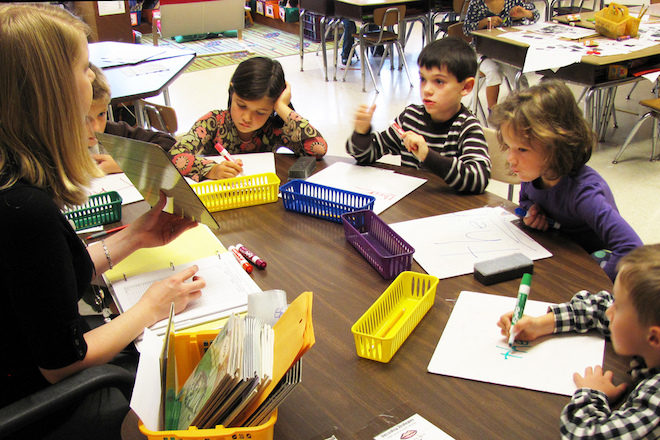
[[534, 218], [413, 142], [226, 169]]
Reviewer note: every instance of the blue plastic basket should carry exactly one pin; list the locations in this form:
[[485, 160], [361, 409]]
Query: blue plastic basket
[[322, 201], [383, 248]]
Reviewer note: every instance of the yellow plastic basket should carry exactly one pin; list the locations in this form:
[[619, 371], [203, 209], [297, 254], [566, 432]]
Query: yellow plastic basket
[[614, 22], [238, 192], [189, 349], [385, 326]]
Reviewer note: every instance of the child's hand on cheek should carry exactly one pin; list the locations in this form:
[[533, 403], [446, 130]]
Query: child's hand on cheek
[[363, 118], [536, 219], [282, 104], [416, 144], [595, 379]]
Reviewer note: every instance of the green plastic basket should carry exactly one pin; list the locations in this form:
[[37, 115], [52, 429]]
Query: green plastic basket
[[100, 209]]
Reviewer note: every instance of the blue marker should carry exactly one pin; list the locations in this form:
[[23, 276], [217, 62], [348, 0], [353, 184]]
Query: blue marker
[[523, 292], [522, 213]]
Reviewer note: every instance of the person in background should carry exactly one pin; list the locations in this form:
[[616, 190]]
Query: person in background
[[97, 119], [488, 14], [630, 319], [548, 144], [440, 135], [260, 118], [44, 166]]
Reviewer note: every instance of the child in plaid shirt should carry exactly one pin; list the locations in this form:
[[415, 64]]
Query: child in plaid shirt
[[631, 320]]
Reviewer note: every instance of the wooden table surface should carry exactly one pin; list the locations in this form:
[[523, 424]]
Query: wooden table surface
[[354, 398]]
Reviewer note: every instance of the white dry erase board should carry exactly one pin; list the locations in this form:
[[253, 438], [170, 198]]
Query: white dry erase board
[[471, 347], [448, 245]]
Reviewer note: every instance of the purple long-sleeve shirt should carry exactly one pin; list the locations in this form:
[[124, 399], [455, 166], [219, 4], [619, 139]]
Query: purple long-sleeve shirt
[[584, 207]]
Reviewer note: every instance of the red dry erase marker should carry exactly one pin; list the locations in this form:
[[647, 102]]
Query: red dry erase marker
[[247, 253], [104, 233], [242, 261], [398, 129], [223, 152]]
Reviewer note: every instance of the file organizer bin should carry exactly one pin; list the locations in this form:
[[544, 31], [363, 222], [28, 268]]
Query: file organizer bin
[[100, 209], [389, 321], [189, 349], [383, 248], [322, 201], [238, 192]]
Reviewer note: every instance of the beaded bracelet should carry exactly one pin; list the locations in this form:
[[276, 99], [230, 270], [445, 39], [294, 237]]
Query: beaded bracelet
[[107, 253]]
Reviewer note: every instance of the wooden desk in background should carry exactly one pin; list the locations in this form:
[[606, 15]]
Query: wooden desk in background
[[342, 393], [132, 82], [591, 72]]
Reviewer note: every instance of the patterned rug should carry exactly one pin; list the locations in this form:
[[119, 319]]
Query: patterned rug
[[258, 40]]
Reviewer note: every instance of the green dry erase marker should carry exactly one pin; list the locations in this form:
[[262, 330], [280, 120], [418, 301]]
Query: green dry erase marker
[[523, 292]]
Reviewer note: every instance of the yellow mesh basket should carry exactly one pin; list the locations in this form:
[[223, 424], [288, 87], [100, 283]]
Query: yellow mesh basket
[[238, 192]]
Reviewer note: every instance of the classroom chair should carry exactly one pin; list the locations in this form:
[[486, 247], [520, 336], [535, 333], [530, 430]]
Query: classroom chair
[[452, 19], [385, 18], [653, 106], [36, 407], [499, 170], [160, 117]]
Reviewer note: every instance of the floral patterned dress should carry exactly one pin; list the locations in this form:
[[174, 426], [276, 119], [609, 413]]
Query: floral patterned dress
[[217, 127]]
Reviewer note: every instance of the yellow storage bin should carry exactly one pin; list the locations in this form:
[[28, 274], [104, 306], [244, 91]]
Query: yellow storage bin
[[614, 22], [189, 349], [238, 192], [385, 326]]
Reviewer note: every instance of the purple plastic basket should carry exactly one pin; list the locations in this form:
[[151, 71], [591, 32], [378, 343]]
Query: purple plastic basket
[[383, 248]]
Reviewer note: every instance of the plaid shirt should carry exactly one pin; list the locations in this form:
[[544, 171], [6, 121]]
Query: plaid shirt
[[588, 415]]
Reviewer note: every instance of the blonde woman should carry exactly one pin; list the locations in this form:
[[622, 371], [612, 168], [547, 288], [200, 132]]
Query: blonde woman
[[46, 89]]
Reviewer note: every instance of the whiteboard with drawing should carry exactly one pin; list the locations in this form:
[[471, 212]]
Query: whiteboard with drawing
[[471, 347], [448, 245]]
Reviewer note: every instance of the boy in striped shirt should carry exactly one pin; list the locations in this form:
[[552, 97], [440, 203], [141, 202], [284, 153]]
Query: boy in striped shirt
[[440, 135]]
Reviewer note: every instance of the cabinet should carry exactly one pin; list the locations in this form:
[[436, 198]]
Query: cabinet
[[113, 27]]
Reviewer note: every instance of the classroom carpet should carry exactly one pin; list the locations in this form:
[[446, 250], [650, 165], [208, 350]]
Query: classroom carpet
[[258, 40]]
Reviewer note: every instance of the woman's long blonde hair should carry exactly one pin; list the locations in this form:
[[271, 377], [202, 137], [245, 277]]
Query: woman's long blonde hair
[[42, 127]]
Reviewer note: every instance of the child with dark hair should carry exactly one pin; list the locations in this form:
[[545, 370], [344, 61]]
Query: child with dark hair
[[260, 118], [630, 319], [440, 135], [549, 143]]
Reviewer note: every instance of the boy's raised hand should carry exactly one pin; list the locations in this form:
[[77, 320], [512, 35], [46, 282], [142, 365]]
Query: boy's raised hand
[[596, 379], [527, 328], [363, 118]]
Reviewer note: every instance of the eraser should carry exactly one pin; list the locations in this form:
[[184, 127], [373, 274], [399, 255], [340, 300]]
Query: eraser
[[302, 168], [503, 268]]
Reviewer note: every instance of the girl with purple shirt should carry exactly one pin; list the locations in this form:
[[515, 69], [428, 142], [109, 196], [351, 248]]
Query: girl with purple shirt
[[549, 143]]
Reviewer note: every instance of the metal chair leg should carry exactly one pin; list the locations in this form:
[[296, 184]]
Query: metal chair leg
[[632, 89], [350, 57], [632, 134], [405, 63]]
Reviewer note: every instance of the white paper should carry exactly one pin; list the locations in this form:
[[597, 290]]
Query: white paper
[[386, 186], [471, 347], [414, 427], [226, 291], [116, 182], [253, 163], [110, 8], [145, 400], [448, 245]]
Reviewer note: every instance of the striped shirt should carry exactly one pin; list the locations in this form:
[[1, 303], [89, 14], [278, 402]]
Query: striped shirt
[[589, 415], [457, 148]]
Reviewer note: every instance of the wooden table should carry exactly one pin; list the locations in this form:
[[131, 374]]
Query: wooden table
[[133, 82], [345, 395], [591, 72]]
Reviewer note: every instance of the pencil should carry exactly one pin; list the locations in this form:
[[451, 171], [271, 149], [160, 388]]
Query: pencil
[[104, 233]]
